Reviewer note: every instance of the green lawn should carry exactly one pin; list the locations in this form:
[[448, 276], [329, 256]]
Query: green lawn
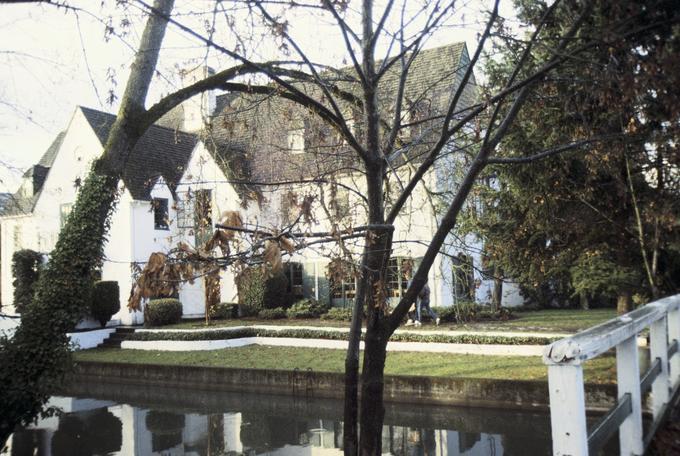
[[601, 370], [554, 320]]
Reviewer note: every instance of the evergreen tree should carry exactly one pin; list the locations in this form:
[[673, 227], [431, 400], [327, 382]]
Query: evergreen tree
[[600, 222]]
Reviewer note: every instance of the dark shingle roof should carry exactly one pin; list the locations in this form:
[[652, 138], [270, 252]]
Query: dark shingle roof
[[17, 203], [161, 152], [258, 125], [47, 160]]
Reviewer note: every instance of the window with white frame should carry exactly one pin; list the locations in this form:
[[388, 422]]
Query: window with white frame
[[399, 270], [296, 140], [203, 229], [64, 211], [184, 207]]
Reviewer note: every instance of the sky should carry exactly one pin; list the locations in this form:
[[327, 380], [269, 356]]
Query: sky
[[52, 60]]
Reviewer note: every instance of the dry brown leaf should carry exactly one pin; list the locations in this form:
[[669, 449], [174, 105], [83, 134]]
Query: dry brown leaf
[[287, 244], [272, 256]]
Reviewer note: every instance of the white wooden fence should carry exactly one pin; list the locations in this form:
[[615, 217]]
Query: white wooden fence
[[565, 360]]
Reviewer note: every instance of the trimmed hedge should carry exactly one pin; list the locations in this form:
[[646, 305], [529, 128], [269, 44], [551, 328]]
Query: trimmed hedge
[[338, 314], [307, 308], [224, 311], [467, 312], [26, 266], [161, 312], [339, 335], [105, 301], [257, 291], [272, 314]]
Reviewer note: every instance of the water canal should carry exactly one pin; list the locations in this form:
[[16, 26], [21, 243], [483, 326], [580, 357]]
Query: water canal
[[123, 419]]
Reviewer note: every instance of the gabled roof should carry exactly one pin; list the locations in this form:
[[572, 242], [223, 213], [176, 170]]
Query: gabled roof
[[161, 152], [17, 203], [255, 126]]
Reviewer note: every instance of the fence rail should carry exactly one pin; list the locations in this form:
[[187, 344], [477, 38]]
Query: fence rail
[[565, 360]]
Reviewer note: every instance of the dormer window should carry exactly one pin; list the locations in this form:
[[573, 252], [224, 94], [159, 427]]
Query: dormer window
[[161, 217], [296, 140]]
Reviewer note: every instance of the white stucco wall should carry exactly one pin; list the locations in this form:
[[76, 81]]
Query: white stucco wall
[[39, 230], [202, 173]]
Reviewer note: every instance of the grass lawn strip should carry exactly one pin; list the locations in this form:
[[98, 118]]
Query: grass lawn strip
[[599, 370]]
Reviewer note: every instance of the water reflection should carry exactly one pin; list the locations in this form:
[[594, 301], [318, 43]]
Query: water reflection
[[126, 420]]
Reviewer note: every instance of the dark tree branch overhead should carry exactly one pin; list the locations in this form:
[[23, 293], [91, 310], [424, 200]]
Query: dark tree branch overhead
[[553, 151]]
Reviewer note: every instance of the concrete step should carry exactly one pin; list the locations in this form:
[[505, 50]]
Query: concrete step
[[114, 340]]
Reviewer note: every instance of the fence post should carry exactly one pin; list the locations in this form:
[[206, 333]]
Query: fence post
[[628, 380], [674, 335], [568, 410], [659, 349]]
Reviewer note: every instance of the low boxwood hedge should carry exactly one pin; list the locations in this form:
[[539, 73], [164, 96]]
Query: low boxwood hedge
[[272, 314], [307, 308], [225, 334], [161, 312]]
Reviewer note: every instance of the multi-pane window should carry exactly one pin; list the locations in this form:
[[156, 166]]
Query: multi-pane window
[[184, 205], [296, 138], [293, 272], [346, 288], [399, 270], [64, 211], [202, 216], [161, 217]]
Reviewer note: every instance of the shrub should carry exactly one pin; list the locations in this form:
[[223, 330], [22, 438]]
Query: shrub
[[307, 308], [26, 265], [160, 312], [256, 291], [468, 312], [224, 311], [272, 314], [445, 314], [338, 314], [105, 301]]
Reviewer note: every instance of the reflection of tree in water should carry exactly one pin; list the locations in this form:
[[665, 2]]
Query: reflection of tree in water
[[87, 433], [166, 429], [213, 444]]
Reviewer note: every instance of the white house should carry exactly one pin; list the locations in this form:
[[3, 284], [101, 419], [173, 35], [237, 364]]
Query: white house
[[267, 143], [42, 203]]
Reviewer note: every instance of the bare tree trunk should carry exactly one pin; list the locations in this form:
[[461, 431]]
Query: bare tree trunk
[[583, 301], [624, 302], [351, 410], [497, 293], [39, 348], [372, 386]]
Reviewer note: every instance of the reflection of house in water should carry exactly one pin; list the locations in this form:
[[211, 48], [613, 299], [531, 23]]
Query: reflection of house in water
[[93, 427]]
